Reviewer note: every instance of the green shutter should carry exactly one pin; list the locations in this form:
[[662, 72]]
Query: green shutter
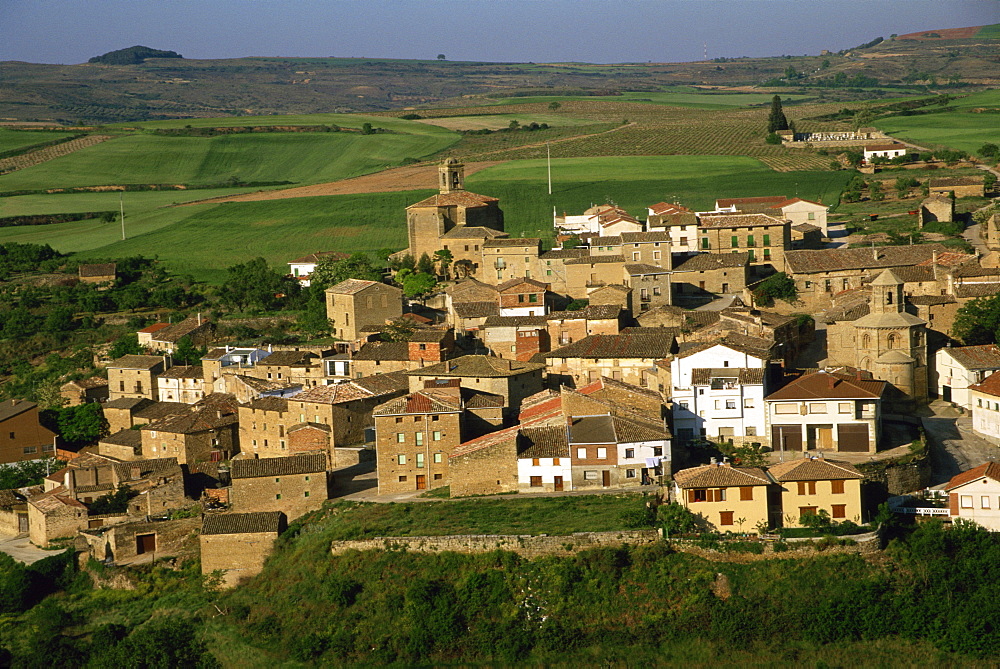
[[767, 240], [704, 242], [736, 242], [750, 240]]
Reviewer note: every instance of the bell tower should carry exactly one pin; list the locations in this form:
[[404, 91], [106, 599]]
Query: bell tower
[[451, 176]]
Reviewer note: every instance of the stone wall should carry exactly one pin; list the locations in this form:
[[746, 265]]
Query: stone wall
[[237, 556], [864, 544], [524, 545]]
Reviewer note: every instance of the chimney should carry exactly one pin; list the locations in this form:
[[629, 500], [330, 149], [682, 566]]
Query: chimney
[[134, 473], [68, 480], [713, 462], [857, 375]]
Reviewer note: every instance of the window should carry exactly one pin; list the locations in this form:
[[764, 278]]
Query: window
[[751, 430], [704, 243], [434, 418], [438, 477], [807, 487], [730, 404], [29, 449], [838, 511], [767, 240], [748, 403], [520, 298], [767, 254], [305, 494], [629, 452], [533, 297], [535, 462], [735, 242], [420, 460], [725, 518], [750, 240], [966, 501], [602, 453], [420, 438], [555, 462], [399, 419], [436, 435], [536, 482], [845, 407], [590, 475], [401, 459], [437, 458], [746, 493], [400, 437], [581, 452], [837, 487], [682, 405], [984, 502], [697, 495], [786, 408], [630, 473], [806, 510], [402, 479], [278, 496], [11, 435], [817, 407]]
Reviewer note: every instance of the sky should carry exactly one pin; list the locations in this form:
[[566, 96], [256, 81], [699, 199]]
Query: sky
[[595, 31]]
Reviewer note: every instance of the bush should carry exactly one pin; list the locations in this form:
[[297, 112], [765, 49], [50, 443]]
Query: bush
[[773, 138]]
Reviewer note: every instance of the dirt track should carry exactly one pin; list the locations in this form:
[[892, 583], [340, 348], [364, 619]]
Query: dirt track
[[397, 179]]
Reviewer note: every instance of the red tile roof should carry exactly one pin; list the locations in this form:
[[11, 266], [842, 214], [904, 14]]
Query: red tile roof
[[826, 385], [988, 469], [990, 385]]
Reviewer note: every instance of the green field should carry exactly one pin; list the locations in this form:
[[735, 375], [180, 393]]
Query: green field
[[298, 157], [498, 121], [680, 96], [343, 120], [960, 129], [15, 139], [203, 240]]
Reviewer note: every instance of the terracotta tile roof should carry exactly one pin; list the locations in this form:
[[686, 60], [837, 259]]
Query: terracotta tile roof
[[794, 200], [665, 209], [737, 220], [976, 357], [629, 431], [702, 262], [193, 421], [55, 499], [930, 300], [616, 346], [14, 407], [355, 389], [947, 182], [136, 362], [92, 382], [252, 468], [183, 372], [155, 327], [288, 359], [428, 401], [741, 375], [146, 468], [610, 386], [265, 385], [988, 469], [809, 261], [477, 399], [322, 427], [472, 232], [828, 385], [592, 312], [645, 237], [383, 350], [814, 469], [175, 332], [967, 268], [509, 434], [129, 403], [592, 430], [806, 227], [481, 366], [351, 286], [638, 269], [522, 282], [99, 269], [460, 198], [430, 335], [132, 438], [382, 384], [977, 289], [884, 147], [613, 287], [720, 476], [476, 309], [542, 441], [737, 201], [512, 241], [563, 253], [258, 522], [990, 385], [279, 404], [753, 346], [516, 321], [768, 318], [596, 260]]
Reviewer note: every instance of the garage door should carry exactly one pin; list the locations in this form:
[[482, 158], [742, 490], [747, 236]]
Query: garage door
[[852, 437], [788, 435]]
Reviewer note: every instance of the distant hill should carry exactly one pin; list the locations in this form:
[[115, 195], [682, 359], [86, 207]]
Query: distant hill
[[132, 56], [989, 32]]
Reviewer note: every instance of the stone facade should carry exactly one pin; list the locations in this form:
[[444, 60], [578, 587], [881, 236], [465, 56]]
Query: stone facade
[[237, 544], [485, 466], [135, 376], [354, 305], [506, 259], [937, 208], [764, 237], [125, 542], [22, 437], [294, 485]]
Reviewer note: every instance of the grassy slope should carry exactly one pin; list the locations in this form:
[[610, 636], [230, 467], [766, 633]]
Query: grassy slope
[[14, 139], [960, 129], [679, 96], [204, 239], [303, 158]]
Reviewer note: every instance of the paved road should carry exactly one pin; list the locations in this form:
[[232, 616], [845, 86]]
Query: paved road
[[23, 550], [954, 447], [718, 304]]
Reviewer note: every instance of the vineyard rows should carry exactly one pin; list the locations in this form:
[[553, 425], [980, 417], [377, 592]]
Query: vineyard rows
[[49, 153]]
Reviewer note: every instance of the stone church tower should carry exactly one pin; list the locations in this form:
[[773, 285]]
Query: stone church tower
[[454, 218], [891, 343]]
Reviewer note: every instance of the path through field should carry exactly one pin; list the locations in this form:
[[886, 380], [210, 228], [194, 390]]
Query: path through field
[[414, 177], [33, 158]]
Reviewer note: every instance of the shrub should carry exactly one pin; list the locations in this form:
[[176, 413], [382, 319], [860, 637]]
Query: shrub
[[773, 138]]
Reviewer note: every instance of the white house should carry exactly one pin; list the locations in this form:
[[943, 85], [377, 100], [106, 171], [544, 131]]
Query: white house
[[957, 368], [181, 383], [302, 268], [889, 151], [718, 391], [590, 221], [543, 461], [829, 411], [800, 211], [984, 400], [975, 495]]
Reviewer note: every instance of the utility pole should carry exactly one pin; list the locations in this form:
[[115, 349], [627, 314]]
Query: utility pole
[[548, 156], [121, 206]]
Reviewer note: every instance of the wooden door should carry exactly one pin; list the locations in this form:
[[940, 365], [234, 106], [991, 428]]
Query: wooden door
[[786, 437], [22, 522], [946, 393], [145, 543], [606, 478], [852, 437], [557, 483], [824, 437], [421, 482]]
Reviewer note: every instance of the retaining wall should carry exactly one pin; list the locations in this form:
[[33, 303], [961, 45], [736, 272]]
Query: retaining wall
[[524, 545]]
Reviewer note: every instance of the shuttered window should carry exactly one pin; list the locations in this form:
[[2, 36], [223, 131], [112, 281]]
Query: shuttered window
[[807, 487], [746, 493], [837, 487], [839, 511], [725, 518]]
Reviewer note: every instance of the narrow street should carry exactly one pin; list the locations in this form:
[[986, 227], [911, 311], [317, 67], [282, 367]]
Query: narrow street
[[953, 446]]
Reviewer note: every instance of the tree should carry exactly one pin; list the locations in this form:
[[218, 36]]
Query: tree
[[989, 150], [554, 106], [255, 286], [113, 502], [416, 284], [330, 272], [443, 257], [425, 264], [676, 519], [399, 329], [187, 353], [778, 286], [81, 424], [441, 56], [127, 345], [863, 118], [978, 321], [776, 119], [367, 129]]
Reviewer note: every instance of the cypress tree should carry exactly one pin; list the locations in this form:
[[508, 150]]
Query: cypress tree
[[776, 119]]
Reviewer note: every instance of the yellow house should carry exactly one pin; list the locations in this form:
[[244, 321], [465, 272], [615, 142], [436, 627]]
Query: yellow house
[[728, 499], [811, 485]]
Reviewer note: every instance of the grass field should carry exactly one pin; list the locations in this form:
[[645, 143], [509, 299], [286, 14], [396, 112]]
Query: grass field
[[960, 129], [498, 121], [203, 240], [298, 157], [679, 96], [343, 120], [15, 139]]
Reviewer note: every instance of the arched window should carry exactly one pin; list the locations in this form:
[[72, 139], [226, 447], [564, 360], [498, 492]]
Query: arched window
[[888, 297], [892, 341], [866, 364], [916, 338], [866, 341]]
